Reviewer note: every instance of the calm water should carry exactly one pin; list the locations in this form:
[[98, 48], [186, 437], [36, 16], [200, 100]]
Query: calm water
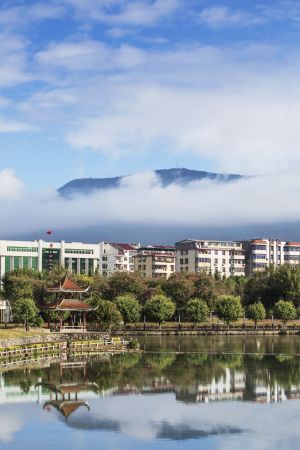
[[182, 393]]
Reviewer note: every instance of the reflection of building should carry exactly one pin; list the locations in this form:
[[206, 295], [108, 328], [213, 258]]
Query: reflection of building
[[229, 386], [64, 395]]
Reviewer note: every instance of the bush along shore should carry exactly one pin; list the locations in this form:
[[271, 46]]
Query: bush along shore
[[126, 298]]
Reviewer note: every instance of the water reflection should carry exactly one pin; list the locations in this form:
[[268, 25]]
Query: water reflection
[[160, 396]]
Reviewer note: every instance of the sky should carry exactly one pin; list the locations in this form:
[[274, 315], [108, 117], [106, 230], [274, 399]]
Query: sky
[[114, 87]]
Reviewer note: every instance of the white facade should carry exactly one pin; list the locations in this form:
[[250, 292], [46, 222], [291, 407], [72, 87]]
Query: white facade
[[262, 253], [116, 257], [155, 262], [224, 257], [43, 255]]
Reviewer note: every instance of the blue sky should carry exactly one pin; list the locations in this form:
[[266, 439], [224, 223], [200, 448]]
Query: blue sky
[[114, 87], [92, 88]]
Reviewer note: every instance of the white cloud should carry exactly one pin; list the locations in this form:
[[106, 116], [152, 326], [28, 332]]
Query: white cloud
[[125, 12], [10, 425], [22, 16], [11, 187], [260, 200], [13, 126], [88, 55], [14, 69], [223, 16]]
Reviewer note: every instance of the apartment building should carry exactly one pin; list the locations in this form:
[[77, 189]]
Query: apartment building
[[116, 257], [224, 257], [155, 261], [43, 255], [261, 253]]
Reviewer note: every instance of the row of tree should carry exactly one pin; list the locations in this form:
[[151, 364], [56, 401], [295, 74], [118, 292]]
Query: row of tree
[[127, 297]]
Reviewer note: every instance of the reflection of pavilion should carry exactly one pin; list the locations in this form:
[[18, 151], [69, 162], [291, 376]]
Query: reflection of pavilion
[[68, 299], [64, 395]]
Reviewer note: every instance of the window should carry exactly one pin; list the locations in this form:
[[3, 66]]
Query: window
[[181, 260], [79, 251], [23, 249], [186, 260], [104, 258]]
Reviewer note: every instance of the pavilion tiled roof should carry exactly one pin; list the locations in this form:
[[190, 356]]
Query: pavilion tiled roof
[[66, 407], [66, 284], [66, 304]]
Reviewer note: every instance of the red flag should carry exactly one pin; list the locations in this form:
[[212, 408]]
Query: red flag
[[49, 232]]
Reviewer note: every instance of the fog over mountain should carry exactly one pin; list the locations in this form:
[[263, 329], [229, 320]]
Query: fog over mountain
[[166, 177], [151, 207]]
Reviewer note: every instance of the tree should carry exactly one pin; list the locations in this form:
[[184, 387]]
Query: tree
[[197, 310], [25, 311], [229, 308], [129, 308], [124, 283], [180, 288], [159, 309], [107, 314], [256, 312], [285, 310]]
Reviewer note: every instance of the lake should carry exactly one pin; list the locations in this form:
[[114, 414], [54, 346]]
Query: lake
[[193, 392]]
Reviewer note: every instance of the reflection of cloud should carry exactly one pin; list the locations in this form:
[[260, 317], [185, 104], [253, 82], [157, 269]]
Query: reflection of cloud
[[10, 424], [260, 427]]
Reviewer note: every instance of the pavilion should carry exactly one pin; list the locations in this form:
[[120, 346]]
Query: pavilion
[[68, 298]]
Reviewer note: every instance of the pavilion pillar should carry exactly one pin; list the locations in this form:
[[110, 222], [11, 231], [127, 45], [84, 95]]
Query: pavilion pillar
[[60, 323], [84, 319], [49, 323]]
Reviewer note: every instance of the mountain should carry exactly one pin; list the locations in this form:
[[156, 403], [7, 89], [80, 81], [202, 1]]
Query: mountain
[[167, 176]]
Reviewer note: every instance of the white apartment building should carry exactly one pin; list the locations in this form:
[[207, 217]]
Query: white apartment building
[[155, 261], [116, 257], [224, 257], [261, 253], [43, 255]]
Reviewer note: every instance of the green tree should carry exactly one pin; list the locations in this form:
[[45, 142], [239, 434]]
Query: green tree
[[285, 310], [197, 310], [129, 308], [229, 308], [25, 311], [180, 288], [256, 312], [121, 283], [108, 315], [159, 308]]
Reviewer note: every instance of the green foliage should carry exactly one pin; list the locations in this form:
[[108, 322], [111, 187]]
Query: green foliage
[[159, 308], [273, 284], [24, 311], [180, 288], [285, 310], [229, 308], [129, 308], [133, 344], [197, 310], [121, 283], [108, 315], [256, 312]]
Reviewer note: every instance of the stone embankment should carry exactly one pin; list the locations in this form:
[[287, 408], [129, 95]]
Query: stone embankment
[[207, 332], [17, 350]]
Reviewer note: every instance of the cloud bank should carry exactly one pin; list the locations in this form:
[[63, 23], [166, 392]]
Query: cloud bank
[[142, 200]]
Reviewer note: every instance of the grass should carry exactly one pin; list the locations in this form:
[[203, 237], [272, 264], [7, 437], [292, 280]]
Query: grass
[[16, 332]]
